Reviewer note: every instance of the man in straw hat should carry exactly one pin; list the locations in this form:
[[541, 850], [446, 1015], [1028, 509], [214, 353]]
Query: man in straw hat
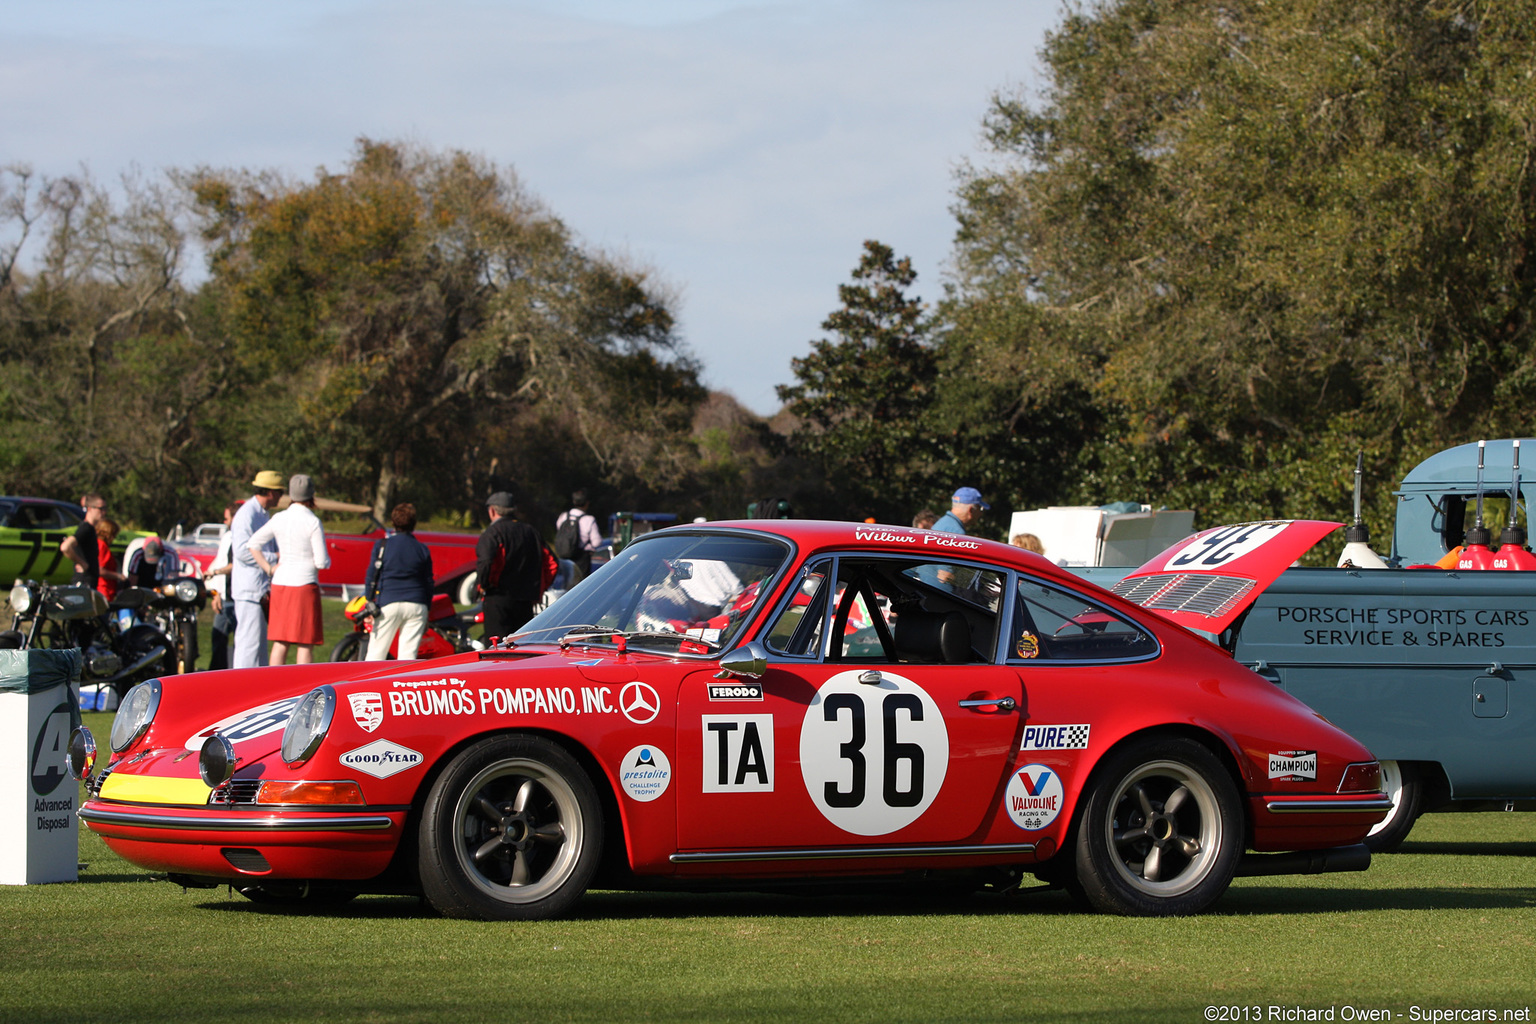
[[248, 584]]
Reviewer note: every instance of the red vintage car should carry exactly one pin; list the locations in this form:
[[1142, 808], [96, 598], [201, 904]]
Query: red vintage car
[[453, 554], [761, 704]]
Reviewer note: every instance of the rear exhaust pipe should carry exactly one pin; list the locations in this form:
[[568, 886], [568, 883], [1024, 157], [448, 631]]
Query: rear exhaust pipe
[[1306, 862]]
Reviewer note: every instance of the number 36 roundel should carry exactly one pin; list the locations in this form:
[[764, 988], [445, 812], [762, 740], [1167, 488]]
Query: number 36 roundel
[[873, 756]]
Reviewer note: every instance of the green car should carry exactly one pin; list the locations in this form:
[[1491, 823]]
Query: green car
[[31, 530]]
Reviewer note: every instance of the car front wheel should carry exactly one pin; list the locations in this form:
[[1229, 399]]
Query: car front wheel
[[511, 830], [1161, 830]]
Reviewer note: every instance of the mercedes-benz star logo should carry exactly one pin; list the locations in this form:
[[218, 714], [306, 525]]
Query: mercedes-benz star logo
[[639, 702]]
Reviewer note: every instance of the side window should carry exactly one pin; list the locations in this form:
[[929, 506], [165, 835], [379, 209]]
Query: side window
[[798, 629], [46, 517], [1058, 625]]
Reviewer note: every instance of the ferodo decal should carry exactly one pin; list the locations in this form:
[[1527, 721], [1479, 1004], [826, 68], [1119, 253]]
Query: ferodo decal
[[645, 773], [1294, 765], [738, 753], [248, 724], [873, 756], [367, 710], [1033, 797], [741, 690], [381, 758], [1055, 737]]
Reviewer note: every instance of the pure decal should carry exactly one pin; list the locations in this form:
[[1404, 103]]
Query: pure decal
[[1055, 737], [645, 773]]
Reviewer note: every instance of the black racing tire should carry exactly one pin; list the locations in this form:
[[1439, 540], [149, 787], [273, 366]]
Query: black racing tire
[[1401, 781], [511, 830], [295, 894], [12, 640], [352, 647], [1161, 830]]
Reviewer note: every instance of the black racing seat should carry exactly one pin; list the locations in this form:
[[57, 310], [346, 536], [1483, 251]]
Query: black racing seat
[[933, 637]]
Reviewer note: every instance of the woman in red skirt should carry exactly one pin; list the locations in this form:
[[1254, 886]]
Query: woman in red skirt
[[294, 616]]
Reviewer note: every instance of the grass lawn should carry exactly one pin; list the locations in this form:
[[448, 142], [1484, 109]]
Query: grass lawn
[[1448, 923]]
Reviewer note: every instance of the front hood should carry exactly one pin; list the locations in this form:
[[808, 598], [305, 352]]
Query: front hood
[[1208, 580]]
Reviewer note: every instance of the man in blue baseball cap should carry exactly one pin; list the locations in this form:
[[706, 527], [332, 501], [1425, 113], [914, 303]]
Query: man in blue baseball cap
[[966, 506]]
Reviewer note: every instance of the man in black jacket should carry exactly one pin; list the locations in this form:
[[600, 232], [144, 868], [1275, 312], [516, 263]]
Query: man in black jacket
[[509, 560]]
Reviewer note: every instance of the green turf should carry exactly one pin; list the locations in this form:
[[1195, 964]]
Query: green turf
[[1448, 923]]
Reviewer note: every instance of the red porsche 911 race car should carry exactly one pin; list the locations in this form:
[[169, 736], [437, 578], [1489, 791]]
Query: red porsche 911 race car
[[766, 704]]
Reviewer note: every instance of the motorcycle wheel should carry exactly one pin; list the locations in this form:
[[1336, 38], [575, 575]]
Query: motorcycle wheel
[[12, 640], [352, 647]]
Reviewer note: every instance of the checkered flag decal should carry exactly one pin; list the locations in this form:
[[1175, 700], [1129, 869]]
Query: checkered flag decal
[[1076, 738]]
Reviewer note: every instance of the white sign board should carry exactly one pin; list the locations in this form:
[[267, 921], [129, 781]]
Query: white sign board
[[39, 837], [1083, 535]]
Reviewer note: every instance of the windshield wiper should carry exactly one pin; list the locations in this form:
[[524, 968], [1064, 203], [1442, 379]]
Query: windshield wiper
[[620, 637]]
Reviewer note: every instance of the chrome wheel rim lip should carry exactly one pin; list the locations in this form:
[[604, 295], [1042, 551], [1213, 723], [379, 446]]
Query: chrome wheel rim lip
[[1392, 785], [1198, 818], [558, 805]]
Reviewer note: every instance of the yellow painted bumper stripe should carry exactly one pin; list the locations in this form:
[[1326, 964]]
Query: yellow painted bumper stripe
[[146, 789]]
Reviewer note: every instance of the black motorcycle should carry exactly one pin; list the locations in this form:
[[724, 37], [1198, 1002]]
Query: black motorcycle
[[75, 615], [174, 608]]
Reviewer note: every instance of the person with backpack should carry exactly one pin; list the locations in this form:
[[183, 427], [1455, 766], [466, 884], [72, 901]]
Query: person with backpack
[[576, 535]]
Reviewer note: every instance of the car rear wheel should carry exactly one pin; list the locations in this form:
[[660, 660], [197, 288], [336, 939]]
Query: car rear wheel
[[1401, 782], [1161, 830], [511, 830], [352, 647]]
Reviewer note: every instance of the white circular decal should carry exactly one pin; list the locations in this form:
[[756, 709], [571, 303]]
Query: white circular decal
[[1224, 544], [1033, 796], [639, 702], [645, 773], [873, 756], [250, 723]]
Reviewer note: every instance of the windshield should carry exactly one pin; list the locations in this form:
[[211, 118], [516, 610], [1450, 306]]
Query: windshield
[[691, 592]]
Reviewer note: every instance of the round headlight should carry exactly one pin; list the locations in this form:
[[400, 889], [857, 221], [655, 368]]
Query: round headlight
[[308, 726], [21, 598], [186, 590], [135, 714], [216, 761]]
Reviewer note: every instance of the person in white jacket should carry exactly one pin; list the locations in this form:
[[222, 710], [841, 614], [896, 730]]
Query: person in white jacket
[[295, 619]]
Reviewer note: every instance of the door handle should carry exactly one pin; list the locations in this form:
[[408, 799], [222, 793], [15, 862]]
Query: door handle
[[871, 678], [1001, 703]]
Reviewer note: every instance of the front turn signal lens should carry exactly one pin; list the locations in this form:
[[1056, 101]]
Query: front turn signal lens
[[325, 793]]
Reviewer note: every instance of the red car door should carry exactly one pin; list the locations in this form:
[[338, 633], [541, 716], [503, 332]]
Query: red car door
[[898, 732]]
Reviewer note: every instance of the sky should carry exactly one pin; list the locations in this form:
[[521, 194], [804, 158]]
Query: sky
[[743, 151]]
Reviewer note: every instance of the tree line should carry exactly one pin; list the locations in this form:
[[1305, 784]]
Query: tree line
[[1224, 247], [416, 326]]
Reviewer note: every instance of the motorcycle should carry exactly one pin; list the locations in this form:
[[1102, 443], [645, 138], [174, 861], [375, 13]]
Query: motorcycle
[[174, 610], [447, 631], [75, 615]]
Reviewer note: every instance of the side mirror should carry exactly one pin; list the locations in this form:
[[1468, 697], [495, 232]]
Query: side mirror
[[749, 660]]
